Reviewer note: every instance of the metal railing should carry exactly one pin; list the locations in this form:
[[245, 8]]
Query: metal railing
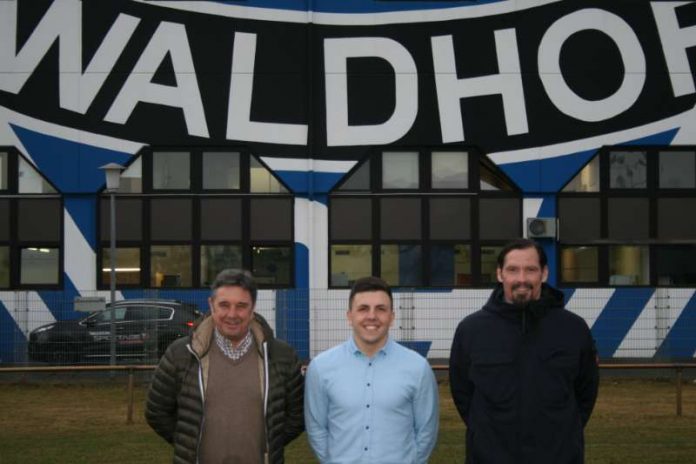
[[678, 370]]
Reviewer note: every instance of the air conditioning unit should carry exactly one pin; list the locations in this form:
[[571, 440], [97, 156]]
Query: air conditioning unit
[[541, 227]]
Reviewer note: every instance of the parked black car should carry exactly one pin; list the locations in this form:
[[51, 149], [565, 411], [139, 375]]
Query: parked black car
[[144, 329]]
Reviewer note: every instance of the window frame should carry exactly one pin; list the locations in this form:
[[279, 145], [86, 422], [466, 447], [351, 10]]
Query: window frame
[[426, 193], [14, 242], [652, 192], [197, 195]]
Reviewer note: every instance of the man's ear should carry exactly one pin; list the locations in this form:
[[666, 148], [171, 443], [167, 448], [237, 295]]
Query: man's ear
[[499, 274], [210, 304], [545, 274]]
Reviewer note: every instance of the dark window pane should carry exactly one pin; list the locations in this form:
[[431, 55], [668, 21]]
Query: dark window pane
[[171, 170], [578, 219], [675, 265], [628, 265], [39, 266], [127, 266], [450, 218], [499, 218], [677, 169], [628, 218], [170, 219], [676, 218], [4, 219], [271, 265], [579, 264], [359, 180], [170, 266], [400, 218], [350, 262], [38, 220], [129, 219], [221, 219], [4, 267], [450, 265], [215, 258], [351, 219], [628, 170], [489, 263], [221, 170], [402, 265], [271, 219]]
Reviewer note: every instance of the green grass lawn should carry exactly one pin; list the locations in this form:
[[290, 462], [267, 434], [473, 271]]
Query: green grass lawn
[[634, 422]]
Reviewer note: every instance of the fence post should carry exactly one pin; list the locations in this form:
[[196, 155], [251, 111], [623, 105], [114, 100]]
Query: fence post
[[679, 391], [129, 418]]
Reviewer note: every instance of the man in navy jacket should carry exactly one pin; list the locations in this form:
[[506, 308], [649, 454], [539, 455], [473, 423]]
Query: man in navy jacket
[[523, 370]]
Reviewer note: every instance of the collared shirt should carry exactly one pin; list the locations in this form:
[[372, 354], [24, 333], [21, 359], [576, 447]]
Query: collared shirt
[[382, 409]]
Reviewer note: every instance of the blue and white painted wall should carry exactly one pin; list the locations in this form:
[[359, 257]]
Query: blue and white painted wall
[[80, 87]]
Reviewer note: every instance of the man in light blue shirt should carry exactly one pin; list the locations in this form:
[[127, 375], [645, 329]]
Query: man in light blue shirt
[[371, 400]]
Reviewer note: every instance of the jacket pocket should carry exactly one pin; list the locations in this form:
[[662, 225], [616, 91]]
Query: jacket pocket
[[494, 377]]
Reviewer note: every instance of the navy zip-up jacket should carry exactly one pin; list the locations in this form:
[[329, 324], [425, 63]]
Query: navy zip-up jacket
[[524, 380]]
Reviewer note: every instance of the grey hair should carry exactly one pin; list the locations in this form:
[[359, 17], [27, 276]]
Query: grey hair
[[236, 278]]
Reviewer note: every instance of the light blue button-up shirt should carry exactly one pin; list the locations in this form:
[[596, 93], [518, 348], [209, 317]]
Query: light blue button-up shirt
[[382, 409]]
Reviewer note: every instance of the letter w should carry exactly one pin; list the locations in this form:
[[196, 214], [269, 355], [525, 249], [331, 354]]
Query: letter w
[[62, 22]]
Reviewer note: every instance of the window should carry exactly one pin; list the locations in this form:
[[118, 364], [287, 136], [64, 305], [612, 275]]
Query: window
[[421, 218], [626, 217], [183, 216], [31, 226]]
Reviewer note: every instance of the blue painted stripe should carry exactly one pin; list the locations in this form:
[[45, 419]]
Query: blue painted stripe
[[617, 318], [13, 343], [309, 182], [567, 294], [84, 212], [61, 303], [70, 166], [681, 340], [292, 306], [355, 6]]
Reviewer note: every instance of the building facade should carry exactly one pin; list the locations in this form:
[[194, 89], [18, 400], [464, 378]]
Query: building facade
[[315, 142]]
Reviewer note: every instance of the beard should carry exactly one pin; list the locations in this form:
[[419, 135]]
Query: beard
[[521, 299]]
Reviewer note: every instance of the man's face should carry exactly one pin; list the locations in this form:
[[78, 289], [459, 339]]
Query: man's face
[[370, 315], [522, 276], [232, 312]]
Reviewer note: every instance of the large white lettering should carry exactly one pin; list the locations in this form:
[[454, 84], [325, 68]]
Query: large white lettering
[[336, 53], [507, 83], [551, 74], [77, 89], [239, 123], [675, 41], [169, 38]]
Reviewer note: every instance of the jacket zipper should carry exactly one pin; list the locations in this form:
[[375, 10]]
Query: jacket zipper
[[202, 391]]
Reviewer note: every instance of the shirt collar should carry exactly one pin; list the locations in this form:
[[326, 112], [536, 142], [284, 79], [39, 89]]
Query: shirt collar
[[385, 350]]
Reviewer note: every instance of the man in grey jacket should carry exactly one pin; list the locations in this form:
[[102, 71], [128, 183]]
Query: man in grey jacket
[[230, 392]]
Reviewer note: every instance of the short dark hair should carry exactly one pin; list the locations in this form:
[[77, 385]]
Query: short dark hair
[[522, 244], [236, 278], [370, 284]]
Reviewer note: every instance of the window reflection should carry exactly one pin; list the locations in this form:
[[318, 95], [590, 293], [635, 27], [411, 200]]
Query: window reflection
[[402, 265], [350, 262], [170, 266]]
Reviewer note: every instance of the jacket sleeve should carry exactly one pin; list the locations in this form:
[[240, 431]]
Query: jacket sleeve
[[587, 382], [426, 413], [161, 404], [294, 399], [459, 364], [316, 409]]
